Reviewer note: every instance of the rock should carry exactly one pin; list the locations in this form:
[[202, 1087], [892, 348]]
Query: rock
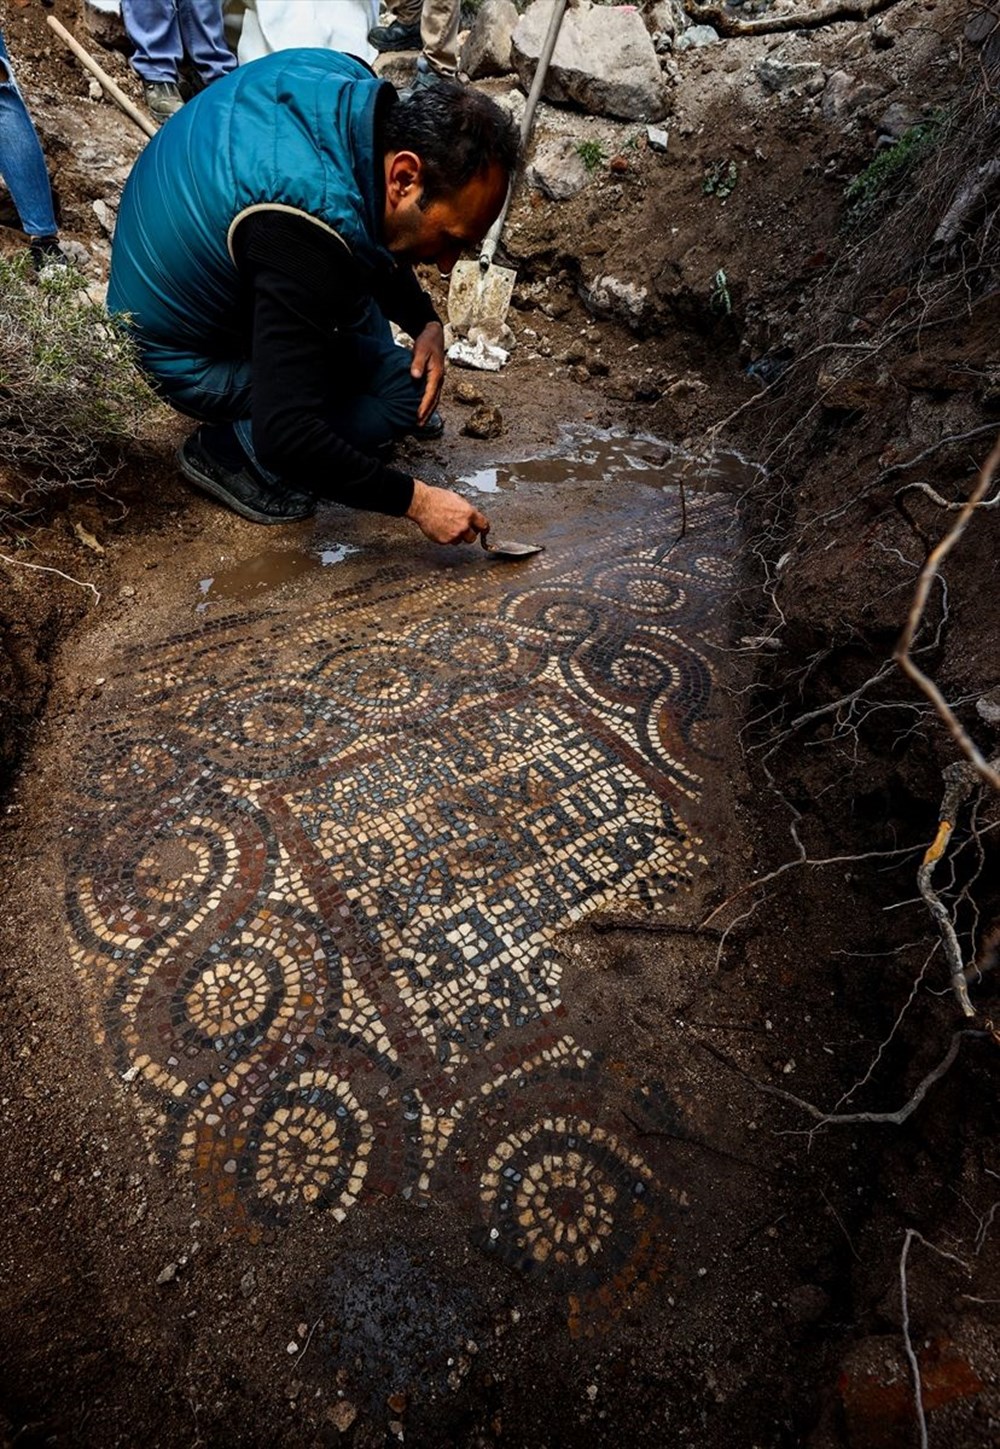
[[844, 96], [777, 75], [468, 393], [166, 1275], [609, 297], [342, 1415], [104, 215], [897, 119], [487, 49], [696, 36], [656, 138], [848, 385], [557, 169], [248, 1283], [481, 355], [596, 365], [988, 706], [877, 1393], [668, 17], [604, 60], [485, 422], [579, 373]]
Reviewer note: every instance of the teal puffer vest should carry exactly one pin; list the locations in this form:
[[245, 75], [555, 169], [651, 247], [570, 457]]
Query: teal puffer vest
[[296, 130]]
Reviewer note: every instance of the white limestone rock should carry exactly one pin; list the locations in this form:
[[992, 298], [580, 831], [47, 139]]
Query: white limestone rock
[[557, 169], [487, 47], [604, 60]]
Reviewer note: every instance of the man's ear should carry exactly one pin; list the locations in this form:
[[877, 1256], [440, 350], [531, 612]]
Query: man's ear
[[404, 177]]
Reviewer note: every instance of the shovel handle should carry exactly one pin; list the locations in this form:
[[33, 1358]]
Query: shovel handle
[[111, 87], [492, 238]]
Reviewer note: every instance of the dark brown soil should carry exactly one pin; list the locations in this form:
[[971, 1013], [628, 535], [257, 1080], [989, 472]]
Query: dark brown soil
[[784, 1320]]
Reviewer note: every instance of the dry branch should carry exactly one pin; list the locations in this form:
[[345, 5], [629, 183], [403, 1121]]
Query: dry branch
[[726, 22], [959, 781], [839, 1119], [928, 573]]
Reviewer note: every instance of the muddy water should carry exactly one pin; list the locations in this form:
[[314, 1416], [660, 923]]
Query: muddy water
[[584, 459], [329, 832]]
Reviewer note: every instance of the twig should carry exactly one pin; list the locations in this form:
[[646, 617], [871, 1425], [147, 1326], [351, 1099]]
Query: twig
[[846, 1096], [838, 1119], [45, 569], [918, 1396], [803, 860], [928, 573]]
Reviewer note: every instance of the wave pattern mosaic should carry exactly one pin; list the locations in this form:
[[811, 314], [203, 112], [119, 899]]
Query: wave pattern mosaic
[[321, 865]]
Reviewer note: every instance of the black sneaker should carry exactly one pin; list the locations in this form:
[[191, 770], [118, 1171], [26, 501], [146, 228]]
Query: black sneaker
[[46, 252], [243, 490], [396, 36]]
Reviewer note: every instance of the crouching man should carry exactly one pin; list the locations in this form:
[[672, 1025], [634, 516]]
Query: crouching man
[[265, 236]]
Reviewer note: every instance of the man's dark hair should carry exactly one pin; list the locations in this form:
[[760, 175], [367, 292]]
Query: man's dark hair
[[456, 131]]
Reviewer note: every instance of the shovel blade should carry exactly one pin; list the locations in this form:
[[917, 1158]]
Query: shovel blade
[[478, 298]]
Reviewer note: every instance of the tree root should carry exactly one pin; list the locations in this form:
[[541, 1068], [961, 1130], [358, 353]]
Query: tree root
[[727, 24]]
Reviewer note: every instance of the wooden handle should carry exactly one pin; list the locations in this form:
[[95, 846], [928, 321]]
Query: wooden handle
[[113, 89]]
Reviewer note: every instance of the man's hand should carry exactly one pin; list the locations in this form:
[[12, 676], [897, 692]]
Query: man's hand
[[445, 517], [428, 362]]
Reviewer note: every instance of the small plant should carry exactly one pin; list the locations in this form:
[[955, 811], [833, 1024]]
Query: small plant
[[71, 398], [591, 153], [720, 179], [874, 188]]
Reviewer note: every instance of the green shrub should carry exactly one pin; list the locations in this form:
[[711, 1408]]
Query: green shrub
[[870, 193], [72, 402]]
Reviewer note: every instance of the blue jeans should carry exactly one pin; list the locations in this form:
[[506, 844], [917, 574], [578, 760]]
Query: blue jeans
[[164, 31], [377, 401], [22, 162]]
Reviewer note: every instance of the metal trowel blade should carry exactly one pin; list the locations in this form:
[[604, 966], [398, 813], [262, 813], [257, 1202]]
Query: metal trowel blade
[[510, 548]]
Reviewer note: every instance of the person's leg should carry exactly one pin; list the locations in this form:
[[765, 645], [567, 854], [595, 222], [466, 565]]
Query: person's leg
[[155, 33], [204, 38], [404, 31], [22, 161], [439, 22]]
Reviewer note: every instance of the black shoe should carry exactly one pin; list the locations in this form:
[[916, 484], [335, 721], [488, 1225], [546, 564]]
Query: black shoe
[[47, 253], [431, 430], [243, 490], [396, 36]]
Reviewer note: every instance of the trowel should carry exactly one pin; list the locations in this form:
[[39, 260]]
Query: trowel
[[509, 548], [480, 291]]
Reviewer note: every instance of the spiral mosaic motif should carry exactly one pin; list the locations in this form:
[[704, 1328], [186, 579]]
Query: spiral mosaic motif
[[562, 1195], [317, 884]]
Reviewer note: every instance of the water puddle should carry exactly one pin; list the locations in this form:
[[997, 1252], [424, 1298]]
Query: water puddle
[[267, 570], [593, 455], [583, 459]]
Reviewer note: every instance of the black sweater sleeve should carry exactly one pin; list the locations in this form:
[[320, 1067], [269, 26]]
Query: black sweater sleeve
[[304, 288]]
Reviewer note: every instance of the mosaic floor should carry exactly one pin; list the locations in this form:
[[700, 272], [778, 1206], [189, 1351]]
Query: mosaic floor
[[321, 862]]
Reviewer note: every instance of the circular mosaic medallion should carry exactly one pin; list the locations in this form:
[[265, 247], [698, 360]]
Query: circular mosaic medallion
[[262, 729], [264, 982], [289, 1143], [564, 1197]]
